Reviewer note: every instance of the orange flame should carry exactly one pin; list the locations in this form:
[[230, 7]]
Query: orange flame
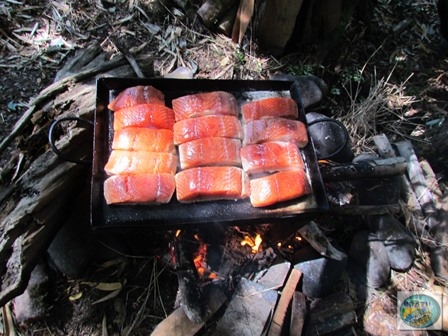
[[200, 262], [254, 243]]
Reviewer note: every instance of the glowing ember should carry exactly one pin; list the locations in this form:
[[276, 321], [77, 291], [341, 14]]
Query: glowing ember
[[200, 262], [254, 243]]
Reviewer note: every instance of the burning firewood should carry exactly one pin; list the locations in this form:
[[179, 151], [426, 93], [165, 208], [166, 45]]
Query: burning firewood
[[190, 295]]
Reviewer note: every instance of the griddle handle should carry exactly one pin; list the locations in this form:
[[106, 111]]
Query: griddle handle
[[52, 141], [364, 169]]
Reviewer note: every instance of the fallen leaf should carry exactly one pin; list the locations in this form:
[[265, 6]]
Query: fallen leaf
[[104, 286], [75, 296], [108, 296]]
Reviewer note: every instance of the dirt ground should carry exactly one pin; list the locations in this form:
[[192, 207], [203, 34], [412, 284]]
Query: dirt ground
[[384, 71]]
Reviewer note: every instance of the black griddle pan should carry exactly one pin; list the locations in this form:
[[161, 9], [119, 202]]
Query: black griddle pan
[[175, 214]]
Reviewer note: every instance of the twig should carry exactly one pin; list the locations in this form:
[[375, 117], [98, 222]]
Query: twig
[[132, 62]]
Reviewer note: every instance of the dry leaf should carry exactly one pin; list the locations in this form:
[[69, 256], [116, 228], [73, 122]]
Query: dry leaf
[[108, 296], [75, 296], [104, 286]]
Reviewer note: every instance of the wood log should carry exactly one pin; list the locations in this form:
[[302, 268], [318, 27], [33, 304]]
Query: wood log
[[359, 210], [29, 228], [242, 19], [212, 11], [416, 222], [416, 178], [190, 294], [298, 314], [249, 310], [331, 314], [179, 324], [427, 219], [275, 23], [54, 89], [361, 170], [34, 204], [285, 299], [436, 216]]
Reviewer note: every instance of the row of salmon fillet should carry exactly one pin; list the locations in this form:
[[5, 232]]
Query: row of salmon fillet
[[206, 147]]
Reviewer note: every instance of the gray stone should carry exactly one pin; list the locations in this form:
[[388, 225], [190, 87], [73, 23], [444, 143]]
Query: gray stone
[[365, 157], [73, 248], [180, 73], [274, 277], [370, 255], [248, 311], [33, 303], [312, 89], [398, 240], [320, 274]]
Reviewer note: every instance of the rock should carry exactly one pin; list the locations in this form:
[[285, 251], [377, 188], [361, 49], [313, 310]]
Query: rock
[[275, 276], [73, 248], [399, 243], [320, 274], [365, 157], [249, 310], [33, 304], [370, 255], [180, 73], [312, 89]]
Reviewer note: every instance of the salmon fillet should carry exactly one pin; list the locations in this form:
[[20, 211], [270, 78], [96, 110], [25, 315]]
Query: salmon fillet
[[140, 162], [137, 95], [275, 129], [141, 188], [146, 139], [211, 183], [225, 126], [273, 107], [201, 104], [278, 187], [210, 152], [144, 115], [271, 156]]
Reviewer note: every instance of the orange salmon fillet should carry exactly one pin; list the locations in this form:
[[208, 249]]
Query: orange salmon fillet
[[144, 115], [275, 129], [210, 152], [211, 183], [274, 107], [140, 162], [225, 126], [146, 139], [278, 187], [271, 156], [137, 95], [201, 104], [141, 188]]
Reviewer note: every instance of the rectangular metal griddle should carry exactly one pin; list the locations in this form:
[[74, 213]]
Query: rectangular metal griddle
[[175, 214]]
